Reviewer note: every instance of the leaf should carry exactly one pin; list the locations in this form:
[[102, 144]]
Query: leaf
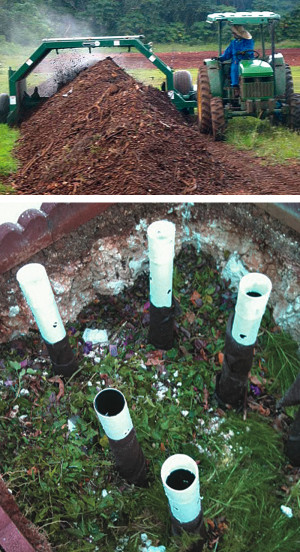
[[194, 297], [210, 523], [210, 290], [259, 382], [259, 408], [220, 358], [155, 358], [32, 471], [61, 387], [190, 317], [203, 355], [165, 424], [31, 371], [15, 365], [104, 442], [264, 411]]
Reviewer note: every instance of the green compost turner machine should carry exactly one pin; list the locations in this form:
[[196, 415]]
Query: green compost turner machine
[[177, 84]]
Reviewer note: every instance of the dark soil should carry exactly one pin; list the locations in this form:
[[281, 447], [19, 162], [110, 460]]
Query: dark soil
[[104, 133]]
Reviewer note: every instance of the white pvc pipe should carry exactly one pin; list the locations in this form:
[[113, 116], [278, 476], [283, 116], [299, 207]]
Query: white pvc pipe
[[36, 288], [185, 503], [161, 244], [254, 292], [111, 408]]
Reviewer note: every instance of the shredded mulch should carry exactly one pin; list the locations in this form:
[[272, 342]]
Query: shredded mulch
[[105, 133]]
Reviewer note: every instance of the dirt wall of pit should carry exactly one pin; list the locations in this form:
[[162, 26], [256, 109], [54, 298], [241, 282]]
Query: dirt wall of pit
[[108, 252]]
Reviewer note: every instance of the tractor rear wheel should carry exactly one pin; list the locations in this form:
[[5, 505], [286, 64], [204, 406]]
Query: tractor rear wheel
[[203, 101], [289, 85], [294, 118], [217, 118], [4, 107], [183, 82]]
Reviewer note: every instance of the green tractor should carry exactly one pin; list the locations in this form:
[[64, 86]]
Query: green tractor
[[265, 82]]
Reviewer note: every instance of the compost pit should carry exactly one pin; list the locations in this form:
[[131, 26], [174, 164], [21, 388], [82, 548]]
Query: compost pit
[[58, 474], [105, 133]]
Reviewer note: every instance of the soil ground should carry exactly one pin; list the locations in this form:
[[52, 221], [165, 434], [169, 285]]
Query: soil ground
[[104, 133], [187, 60]]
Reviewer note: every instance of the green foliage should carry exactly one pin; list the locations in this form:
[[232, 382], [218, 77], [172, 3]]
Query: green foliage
[[8, 162], [281, 359], [180, 20], [274, 144], [59, 475]]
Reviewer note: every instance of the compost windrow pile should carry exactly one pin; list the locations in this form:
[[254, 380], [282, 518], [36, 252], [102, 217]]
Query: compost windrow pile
[[105, 133]]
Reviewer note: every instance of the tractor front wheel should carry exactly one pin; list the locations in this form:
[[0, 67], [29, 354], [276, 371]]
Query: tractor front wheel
[[183, 82], [203, 101], [294, 118], [217, 118], [289, 85], [4, 107]]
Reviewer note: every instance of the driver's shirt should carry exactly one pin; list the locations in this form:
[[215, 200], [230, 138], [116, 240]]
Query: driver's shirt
[[233, 52]]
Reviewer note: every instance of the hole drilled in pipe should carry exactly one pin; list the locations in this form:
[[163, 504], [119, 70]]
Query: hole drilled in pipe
[[180, 479], [110, 402], [253, 294]]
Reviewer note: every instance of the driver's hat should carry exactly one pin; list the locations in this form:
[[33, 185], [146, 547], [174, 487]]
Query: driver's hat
[[240, 31]]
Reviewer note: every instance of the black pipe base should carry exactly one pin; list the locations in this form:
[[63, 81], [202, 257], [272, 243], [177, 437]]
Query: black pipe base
[[232, 384], [292, 446], [130, 460], [161, 331], [62, 357], [195, 527], [292, 396]]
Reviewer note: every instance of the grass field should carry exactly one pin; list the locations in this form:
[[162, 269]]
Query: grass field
[[8, 163], [272, 144], [296, 79]]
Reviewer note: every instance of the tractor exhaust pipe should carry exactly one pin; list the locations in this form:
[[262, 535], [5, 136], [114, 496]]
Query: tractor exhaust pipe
[[113, 414], [36, 288], [292, 445], [180, 479], [161, 241], [241, 334]]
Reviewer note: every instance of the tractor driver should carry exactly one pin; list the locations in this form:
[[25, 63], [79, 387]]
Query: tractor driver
[[241, 47]]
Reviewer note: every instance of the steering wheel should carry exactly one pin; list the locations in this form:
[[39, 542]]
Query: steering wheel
[[243, 52]]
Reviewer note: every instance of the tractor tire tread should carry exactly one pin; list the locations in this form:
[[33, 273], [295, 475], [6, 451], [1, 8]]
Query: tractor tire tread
[[4, 107], [294, 119], [183, 82], [204, 97], [217, 118], [289, 85]]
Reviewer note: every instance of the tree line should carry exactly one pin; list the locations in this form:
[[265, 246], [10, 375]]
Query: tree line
[[28, 21]]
